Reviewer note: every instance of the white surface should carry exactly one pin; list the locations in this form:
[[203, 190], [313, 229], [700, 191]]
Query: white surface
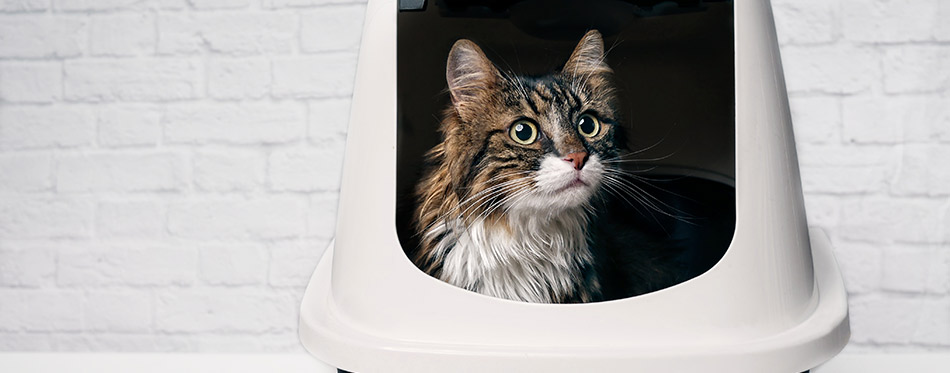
[[888, 363], [159, 363], [300, 363], [762, 307]]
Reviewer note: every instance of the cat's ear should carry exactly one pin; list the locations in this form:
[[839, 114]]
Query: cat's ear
[[470, 76], [588, 57]]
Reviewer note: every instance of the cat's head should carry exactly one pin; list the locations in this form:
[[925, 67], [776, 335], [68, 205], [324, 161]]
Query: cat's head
[[529, 143]]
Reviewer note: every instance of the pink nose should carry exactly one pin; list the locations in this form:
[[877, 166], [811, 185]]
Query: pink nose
[[578, 159]]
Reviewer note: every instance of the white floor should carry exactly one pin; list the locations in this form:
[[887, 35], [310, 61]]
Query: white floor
[[284, 363], [159, 363]]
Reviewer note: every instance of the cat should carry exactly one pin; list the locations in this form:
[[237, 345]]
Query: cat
[[505, 208]]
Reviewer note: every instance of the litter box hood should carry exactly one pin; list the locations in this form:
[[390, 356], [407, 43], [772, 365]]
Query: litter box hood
[[775, 302]]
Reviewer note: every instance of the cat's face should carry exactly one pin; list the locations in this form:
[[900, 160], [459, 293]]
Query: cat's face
[[530, 143]]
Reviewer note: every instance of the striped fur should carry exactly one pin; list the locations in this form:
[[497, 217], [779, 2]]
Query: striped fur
[[510, 220]]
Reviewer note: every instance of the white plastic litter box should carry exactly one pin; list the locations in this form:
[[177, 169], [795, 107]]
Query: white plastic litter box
[[772, 301]]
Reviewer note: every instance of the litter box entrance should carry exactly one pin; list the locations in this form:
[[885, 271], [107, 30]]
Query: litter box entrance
[[673, 66]]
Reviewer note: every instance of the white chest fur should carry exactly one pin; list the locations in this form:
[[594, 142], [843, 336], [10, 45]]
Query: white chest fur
[[539, 257]]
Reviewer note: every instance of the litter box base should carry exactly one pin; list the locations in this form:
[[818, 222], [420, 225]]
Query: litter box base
[[814, 340]]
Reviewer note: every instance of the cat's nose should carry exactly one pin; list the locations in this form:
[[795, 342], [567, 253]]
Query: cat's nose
[[578, 159]]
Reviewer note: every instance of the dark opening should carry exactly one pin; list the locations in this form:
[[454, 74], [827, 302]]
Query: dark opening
[[674, 66]]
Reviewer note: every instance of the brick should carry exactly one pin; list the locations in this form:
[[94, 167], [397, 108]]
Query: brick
[[232, 343], [224, 310], [122, 172], [16, 6], [130, 219], [151, 265], [806, 21], [834, 69], [277, 4], [40, 310], [27, 267], [884, 320], [117, 311], [299, 77], [933, 328], [133, 80], [130, 125], [333, 28], [306, 170], [219, 4], [917, 69], [239, 78], [868, 120], [230, 219], [816, 119], [896, 119], [889, 21], [860, 265], [916, 269], [292, 263], [112, 5], [45, 217], [122, 35], [34, 82], [846, 169], [918, 174], [233, 265], [233, 34], [31, 127], [891, 220], [321, 217], [39, 36], [942, 29], [247, 123], [24, 172], [13, 342], [328, 120], [122, 343], [822, 211], [229, 171], [282, 342], [900, 320]]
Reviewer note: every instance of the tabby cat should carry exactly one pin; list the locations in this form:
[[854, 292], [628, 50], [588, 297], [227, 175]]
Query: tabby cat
[[505, 207]]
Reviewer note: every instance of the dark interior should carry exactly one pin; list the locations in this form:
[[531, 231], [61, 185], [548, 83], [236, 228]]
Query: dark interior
[[674, 66]]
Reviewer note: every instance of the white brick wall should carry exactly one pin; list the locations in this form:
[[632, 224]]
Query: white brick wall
[[870, 94], [169, 168], [165, 183]]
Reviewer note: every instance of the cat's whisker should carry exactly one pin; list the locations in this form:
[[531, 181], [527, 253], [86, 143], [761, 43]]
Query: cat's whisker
[[622, 159], [505, 201], [487, 200], [617, 191], [464, 215], [481, 218], [649, 200], [636, 207], [646, 180], [493, 187], [650, 182], [503, 188], [487, 193]]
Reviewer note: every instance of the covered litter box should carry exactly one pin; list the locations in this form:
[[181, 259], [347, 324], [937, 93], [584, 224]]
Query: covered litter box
[[704, 84]]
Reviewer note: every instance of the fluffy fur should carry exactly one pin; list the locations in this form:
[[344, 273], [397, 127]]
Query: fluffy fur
[[507, 219]]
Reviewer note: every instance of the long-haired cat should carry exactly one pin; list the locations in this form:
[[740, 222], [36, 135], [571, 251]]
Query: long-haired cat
[[505, 208]]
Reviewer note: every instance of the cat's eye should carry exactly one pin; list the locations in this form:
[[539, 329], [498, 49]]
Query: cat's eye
[[588, 125], [523, 132]]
